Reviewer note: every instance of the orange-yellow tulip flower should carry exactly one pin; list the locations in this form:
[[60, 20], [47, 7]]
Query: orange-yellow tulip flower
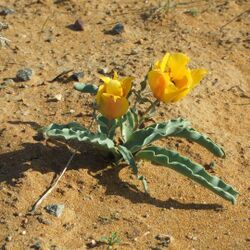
[[170, 79], [111, 96]]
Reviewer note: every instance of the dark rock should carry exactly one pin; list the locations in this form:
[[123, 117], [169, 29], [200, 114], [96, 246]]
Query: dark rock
[[36, 246], [54, 247], [117, 29], [76, 76], [78, 25], [43, 221], [164, 239], [55, 209], [24, 75], [4, 11]]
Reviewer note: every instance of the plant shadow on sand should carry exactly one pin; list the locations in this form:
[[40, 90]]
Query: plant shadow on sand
[[53, 156]]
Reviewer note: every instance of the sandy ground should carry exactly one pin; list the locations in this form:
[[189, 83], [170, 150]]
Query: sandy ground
[[98, 199]]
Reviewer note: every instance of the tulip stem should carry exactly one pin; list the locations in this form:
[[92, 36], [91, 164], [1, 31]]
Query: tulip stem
[[147, 113]]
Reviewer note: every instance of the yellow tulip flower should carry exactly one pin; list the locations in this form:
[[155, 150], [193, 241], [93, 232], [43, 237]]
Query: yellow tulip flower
[[111, 96], [170, 79]]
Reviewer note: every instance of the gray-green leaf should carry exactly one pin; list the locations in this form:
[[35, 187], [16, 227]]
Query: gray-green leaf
[[129, 159], [74, 131], [106, 126], [177, 128], [128, 123], [142, 137], [193, 135], [188, 168]]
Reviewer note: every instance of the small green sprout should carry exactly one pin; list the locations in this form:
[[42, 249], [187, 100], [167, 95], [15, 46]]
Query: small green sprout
[[111, 240]]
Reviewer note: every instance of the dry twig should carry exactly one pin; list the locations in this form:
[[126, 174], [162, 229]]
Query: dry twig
[[235, 18]]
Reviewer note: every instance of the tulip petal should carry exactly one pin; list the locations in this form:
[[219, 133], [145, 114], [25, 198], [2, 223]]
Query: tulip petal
[[177, 64], [158, 82], [112, 106], [171, 93], [115, 75], [197, 76], [179, 94], [157, 65], [105, 79], [100, 91], [126, 84], [186, 81], [114, 87], [163, 62]]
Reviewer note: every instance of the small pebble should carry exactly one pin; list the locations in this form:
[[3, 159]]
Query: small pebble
[[103, 71], [164, 239], [55, 98], [6, 11], [24, 74], [76, 76], [92, 243], [9, 238], [191, 237], [36, 246], [117, 29], [54, 247], [3, 26], [134, 51], [43, 221], [18, 214], [23, 232], [8, 81], [55, 209], [78, 25]]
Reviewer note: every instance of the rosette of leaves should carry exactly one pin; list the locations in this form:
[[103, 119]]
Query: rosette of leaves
[[137, 144]]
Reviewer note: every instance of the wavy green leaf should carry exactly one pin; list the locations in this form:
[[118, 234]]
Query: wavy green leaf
[[193, 135], [177, 128], [128, 123], [188, 168], [86, 88], [106, 126], [129, 159], [142, 137], [74, 131]]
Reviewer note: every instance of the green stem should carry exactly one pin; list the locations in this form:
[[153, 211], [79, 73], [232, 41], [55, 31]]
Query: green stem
[[148, 110], [120, 125]]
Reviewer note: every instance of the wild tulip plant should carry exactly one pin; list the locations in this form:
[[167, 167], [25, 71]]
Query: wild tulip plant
[[169, 80]]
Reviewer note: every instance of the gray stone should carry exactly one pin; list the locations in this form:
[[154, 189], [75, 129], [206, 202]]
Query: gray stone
[[4, 11], [117, 29], [36, 246], [164, 239], [55, 209], [24, 74]]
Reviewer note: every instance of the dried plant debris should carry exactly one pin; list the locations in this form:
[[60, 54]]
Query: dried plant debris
[[4, 42]]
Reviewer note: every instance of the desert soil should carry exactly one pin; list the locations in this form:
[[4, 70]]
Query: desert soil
[[100, 200]]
